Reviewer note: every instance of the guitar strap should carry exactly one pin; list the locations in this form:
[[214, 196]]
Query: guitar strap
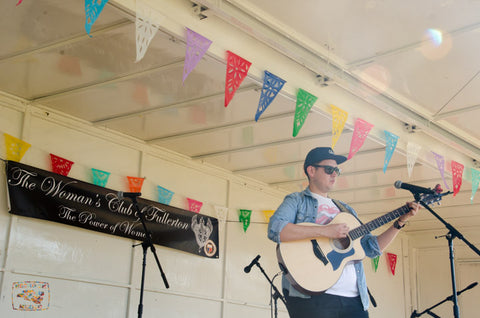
[[342, 208]]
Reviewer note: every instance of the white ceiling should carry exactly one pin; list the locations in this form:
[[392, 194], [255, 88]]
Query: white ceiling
[[390, 63]]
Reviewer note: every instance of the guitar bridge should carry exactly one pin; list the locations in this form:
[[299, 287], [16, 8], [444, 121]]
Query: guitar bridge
[[318, 252]]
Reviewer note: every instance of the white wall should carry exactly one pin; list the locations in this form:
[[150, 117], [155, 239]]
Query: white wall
[[98, 275]]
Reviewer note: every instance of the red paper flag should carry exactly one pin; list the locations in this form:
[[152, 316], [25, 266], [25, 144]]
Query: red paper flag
[[135, 184], [457, 173], [60, 165], [392, 262], [194, 205], [237, 69], [19, 2]]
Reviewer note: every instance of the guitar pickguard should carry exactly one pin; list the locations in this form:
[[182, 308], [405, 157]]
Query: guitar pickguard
[[336, 258]]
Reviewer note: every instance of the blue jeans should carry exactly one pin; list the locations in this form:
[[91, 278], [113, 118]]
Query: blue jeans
[[325, 306]]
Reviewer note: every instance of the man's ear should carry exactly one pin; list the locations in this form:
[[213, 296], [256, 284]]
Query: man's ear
[[310, 171]]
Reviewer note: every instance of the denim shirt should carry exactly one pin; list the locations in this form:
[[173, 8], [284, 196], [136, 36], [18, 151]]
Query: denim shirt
[[301, 207]]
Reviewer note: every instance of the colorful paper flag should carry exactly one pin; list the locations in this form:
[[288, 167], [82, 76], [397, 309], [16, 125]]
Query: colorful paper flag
[[197, 46], [305, 101], [475, 182], [100, 177], [391, 144], [360, 133], [164, 195], [272, 84], [16, 148], [412, 154], [392, 262], [244, 217], [93, 8], [221, 213], [441, 167], [194, 205], [339, 118], [375, 262], [268, 214], [145, 28], [457, 174], [135, 184], [60, 165], [237, 70]]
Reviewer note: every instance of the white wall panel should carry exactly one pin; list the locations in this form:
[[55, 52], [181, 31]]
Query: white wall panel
[[48, 248], [68, 298]]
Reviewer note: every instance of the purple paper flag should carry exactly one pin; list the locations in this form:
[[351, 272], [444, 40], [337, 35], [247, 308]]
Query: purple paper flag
[[272, 84], [441, 167], [197, 46], [391, 144], [93, 8]]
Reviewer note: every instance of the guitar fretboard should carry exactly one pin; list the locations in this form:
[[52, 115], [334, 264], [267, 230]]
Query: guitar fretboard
[[376, 223]]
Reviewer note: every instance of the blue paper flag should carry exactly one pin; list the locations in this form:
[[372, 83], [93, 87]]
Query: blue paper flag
[[272, 84], [164, 195], [100, 177], [475, 182], [391, 144], [93, 8]]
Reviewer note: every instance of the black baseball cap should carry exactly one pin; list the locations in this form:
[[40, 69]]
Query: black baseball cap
[[321, 153]]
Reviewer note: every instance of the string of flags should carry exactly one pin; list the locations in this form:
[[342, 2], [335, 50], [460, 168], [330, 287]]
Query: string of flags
[[236, 70], [391, 262], [16, 149]]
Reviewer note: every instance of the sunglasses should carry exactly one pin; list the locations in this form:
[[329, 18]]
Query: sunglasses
[[329, 169]]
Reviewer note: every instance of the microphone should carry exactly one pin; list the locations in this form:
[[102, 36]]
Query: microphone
[[131, 195], [412, 188], [471, 286], [249, 267]]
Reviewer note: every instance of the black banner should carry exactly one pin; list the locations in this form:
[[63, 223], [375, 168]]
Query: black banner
[[46, 195]]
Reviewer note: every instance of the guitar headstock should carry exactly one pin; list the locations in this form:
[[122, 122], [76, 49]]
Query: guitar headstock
[[432, 198]]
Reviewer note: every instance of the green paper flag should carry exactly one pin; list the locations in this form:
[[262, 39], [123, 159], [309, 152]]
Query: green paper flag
[[305, 101], [375, 263], [244, 217]]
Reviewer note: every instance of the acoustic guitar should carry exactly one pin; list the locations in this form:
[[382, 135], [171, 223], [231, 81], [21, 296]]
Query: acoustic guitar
[[314, 265]]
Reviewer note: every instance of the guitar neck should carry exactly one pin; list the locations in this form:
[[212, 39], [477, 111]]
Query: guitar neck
[[378, 222]]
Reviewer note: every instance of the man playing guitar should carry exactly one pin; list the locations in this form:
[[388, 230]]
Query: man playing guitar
[[348, 294]]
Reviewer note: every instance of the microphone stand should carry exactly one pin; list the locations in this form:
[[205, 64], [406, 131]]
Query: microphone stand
[[428, 310], [450, 236], [276, 294], [147, 242]]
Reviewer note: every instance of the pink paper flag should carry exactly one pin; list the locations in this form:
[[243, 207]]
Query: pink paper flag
[[197, 46], [360, 133], [194, 205], [19, 2], [457, 173]]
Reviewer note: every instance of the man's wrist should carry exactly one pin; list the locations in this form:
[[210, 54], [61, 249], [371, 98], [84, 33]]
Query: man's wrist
[[398, 224]]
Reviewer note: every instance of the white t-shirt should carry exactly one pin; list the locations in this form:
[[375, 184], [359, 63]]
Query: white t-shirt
[[346, 285]]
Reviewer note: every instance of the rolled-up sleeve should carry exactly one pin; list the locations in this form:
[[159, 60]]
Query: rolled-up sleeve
[[285, 214]]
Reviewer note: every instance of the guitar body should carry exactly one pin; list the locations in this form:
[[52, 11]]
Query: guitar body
[[314, 265]]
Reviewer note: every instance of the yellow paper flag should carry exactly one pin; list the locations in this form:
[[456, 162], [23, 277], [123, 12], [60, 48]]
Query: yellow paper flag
[[268, 214], [339, 118], [16, 148]]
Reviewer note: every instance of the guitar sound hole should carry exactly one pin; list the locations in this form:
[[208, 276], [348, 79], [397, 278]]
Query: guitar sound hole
[[342, 243]]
